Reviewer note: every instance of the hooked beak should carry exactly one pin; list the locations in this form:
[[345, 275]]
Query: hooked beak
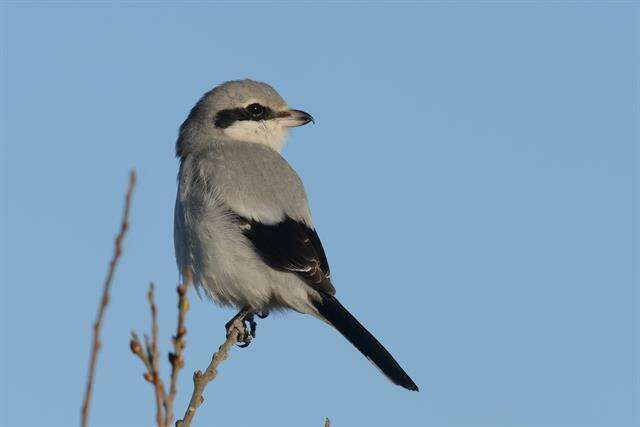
[[294, 118]]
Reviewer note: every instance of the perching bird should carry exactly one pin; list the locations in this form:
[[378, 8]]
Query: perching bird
[[243, 228]]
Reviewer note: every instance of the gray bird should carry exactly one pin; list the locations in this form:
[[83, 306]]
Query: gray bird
[[243, 229]]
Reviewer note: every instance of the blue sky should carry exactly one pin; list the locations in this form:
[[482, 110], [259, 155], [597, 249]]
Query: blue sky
[[472, 174]]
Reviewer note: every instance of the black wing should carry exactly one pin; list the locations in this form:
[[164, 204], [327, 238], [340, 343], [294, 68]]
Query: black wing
[[290, 246]]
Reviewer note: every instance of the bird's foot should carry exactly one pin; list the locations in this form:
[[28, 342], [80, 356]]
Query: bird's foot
[[247, 331]]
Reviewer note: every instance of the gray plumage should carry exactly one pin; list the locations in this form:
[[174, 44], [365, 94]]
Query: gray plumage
[[219, 174], [253, 181], [243, 228]]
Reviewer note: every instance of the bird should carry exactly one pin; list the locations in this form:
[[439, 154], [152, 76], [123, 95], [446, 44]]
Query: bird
[[243, 230]]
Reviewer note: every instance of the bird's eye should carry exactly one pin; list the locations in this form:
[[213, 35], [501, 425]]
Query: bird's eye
[[256, 110]]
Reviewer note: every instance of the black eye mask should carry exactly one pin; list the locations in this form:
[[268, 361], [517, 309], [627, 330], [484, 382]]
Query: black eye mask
[[254, 112]]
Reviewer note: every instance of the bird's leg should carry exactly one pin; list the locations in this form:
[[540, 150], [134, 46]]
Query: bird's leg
[[249, 325], [239, 319], [249, 333], [241, 315], [252, 324]]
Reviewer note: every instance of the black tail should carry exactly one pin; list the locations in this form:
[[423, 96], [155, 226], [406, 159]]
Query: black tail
[[331, 309]]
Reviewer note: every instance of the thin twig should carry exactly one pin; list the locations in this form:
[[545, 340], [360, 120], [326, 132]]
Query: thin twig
[[152, 349], [200, 379], [136, 348], [150, 357], [327, 422], [104, 301], [176, 357]]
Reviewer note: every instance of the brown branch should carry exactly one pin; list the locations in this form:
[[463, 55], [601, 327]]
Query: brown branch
[[327, 422], [155, 358], [176, 358], [104, 301], [137, 349], [200, 379], [150, 357]]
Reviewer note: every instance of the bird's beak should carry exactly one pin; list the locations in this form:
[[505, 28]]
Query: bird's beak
[[293, 118]]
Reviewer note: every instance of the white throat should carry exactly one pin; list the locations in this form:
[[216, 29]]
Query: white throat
[[268, 133]]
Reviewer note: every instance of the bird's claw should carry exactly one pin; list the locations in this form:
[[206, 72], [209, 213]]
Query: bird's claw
[[252, 325], [244, 342], [249, 331], [244, 336], [249, 327]]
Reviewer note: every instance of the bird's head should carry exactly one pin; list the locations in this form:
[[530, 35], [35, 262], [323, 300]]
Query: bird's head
[[239, 110]]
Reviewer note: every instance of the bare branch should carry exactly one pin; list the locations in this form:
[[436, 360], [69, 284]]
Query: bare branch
[[137, 349], [327, 422], [200, 379], [150, 357], [104, 301], [152, 350], [176, 357]]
